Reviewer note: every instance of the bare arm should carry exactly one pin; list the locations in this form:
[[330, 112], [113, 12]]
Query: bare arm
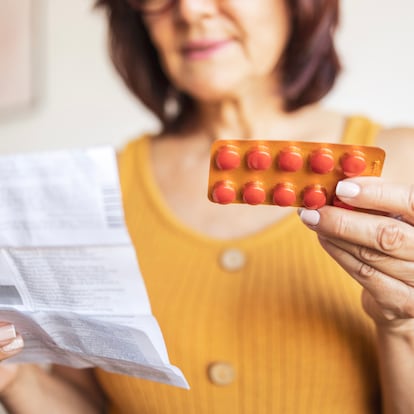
[[396, 356], [61, 390]]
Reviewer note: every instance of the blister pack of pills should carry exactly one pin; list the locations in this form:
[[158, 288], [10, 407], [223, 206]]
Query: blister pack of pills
[[286, 173]]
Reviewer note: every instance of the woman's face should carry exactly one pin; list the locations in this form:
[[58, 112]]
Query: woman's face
[[212, 48]]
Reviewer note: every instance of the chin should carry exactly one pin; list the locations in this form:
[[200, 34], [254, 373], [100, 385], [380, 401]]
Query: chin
[[212, 94]]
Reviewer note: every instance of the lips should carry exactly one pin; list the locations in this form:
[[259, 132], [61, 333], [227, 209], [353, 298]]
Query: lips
[[202, 49]]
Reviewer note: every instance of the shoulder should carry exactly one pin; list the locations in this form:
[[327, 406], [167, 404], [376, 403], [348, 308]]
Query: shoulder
[[398, 144], [133, 146]]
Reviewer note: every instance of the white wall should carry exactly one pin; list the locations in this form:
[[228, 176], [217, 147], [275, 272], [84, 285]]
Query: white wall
[[376, 43], [84, 103]]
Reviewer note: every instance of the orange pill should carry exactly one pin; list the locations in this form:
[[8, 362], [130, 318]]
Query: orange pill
[[290, 159], [314, 197], [339, 203], [254, 193], [284, 195], [228, 157], [322, 161], [224, 192], [259, 159], [353, 163]]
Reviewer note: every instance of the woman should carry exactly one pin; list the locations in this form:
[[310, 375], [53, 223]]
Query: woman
[[256, 314]]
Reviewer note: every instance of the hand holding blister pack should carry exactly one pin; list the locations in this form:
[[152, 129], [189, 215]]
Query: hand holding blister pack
[[286, 173]]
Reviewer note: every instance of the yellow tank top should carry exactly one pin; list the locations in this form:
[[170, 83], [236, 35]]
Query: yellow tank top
[[264, 324]]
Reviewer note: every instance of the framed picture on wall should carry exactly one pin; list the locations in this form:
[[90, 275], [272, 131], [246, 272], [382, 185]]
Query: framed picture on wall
[[19, 55]]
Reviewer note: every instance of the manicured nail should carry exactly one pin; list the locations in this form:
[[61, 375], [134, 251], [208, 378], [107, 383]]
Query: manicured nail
[[310, 217], [347, 189], [14, 345], [7, 332]]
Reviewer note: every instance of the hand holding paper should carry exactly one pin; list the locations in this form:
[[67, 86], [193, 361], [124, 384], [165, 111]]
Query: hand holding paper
[[69, 277]]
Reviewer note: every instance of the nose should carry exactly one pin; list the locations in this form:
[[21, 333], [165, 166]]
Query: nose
[[190, 10]]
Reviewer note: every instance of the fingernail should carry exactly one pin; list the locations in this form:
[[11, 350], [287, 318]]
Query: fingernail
[[14, 345], [7, 332], [310, 217], [347, 189]]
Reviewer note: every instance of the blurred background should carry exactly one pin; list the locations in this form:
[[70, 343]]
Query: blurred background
[[58, 89]]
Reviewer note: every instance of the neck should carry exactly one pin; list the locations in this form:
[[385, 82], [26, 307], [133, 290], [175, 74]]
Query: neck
[[248, 114], [256, 112]]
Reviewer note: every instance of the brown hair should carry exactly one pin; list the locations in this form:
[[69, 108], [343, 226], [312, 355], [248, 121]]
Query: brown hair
[[308, 67]]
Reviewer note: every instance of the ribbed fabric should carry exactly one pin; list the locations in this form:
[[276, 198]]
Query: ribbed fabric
[[290, 321]]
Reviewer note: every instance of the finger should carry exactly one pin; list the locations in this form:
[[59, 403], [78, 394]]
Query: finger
[[11, 347], [384, 234], [10, 342], [390, 293], [376, 194], [400, 269]]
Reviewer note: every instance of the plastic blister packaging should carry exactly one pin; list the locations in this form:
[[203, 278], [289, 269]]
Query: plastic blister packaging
[[286, 173]]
